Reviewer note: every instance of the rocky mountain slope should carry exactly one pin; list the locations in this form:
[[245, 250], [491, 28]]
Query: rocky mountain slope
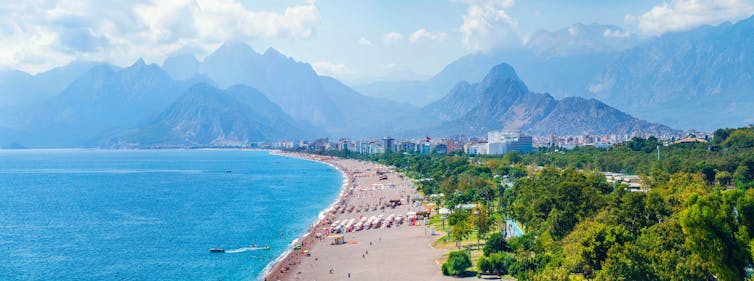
[[207, 116], [503, 101]]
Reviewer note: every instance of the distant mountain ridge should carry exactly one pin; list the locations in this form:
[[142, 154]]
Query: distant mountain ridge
[[580, 39], [207, 116], [560, 62], [19, 88], [697, 79], [503, 101], [702, 78], [236, 96], [104, 98], [142, 106], [295, 86]]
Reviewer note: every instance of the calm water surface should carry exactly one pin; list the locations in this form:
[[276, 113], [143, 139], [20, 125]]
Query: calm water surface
[[136, 215]]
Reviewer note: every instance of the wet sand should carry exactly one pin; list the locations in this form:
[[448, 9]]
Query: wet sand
[[399, 252]]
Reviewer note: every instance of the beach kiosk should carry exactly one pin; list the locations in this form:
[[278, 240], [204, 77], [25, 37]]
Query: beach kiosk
[[338, 239], [395, 202], [444, 212]]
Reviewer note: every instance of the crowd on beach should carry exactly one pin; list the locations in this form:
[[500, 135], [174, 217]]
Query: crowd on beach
[[374, 198]]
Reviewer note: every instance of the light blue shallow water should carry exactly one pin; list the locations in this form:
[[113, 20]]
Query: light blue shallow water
[[153, 215]]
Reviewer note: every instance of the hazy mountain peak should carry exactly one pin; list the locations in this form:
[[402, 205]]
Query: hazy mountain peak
[[181, 66], [580, 38], [272, 52], [234, 48], [502, 71], [139, 62], [143, 68], [185, 57], [503, 101]]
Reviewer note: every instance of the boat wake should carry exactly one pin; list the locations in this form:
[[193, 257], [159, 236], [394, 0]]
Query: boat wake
[[244, 249]]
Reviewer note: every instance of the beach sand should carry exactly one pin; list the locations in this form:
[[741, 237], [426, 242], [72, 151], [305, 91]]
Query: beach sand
[[400, 252]]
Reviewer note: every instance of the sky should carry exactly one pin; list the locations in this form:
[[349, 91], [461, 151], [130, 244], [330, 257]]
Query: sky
[[353, 40]]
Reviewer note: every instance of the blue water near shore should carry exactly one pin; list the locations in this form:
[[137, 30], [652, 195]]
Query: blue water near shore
[[153, 215]]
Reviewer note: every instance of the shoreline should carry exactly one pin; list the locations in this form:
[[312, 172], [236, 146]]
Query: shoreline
[[370, 232], [274, 267]]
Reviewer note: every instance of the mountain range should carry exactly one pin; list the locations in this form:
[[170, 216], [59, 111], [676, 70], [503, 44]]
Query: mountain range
[[236, 96], [323, 101], [696, 79], [502, 100], [102, 99], [560, 62], [702, 78], [20, 88], [207, 116]]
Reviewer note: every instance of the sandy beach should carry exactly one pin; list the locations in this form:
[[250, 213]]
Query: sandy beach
[[388, 248]]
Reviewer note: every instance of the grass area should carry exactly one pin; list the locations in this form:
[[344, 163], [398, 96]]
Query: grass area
[[470, 243], [444, 242]]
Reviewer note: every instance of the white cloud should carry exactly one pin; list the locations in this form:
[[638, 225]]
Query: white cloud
[[424, 35], [573, 30], [365, 42], [615, 33], [686, 14], [392, 37], [38, 35], [486, 24], [327, 68]]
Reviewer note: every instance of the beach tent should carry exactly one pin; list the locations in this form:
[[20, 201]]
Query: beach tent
[[337, 239], [422, 214]]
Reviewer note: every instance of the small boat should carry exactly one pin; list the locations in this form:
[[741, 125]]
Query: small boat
[[217, 250], [228, 171]]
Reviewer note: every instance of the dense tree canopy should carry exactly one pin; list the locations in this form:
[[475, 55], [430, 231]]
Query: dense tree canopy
[[692, 220]]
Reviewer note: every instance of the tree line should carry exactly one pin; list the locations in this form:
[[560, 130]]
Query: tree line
[[693, 220]]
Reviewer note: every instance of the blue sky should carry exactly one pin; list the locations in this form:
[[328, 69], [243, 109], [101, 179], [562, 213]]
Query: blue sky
[[351, 40]]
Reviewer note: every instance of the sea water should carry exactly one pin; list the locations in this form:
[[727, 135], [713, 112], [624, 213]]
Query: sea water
[[153, 214]]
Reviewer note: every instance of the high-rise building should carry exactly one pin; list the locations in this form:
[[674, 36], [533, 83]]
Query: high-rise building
[[441, 149], [450, 144], [387, 144], [502, 142], [344, 144]]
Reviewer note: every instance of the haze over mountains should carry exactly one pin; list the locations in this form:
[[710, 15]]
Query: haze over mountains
[[559, 62], [504, 100], [207, 116], [700, 79], [696, 79]]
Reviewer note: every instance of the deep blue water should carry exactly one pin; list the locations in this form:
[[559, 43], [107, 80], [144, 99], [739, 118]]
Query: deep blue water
[[138, 215]]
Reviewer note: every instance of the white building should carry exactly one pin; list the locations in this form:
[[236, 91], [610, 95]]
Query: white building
[[502, 142]]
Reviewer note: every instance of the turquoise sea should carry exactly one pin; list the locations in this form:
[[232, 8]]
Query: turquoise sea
[[153, 214]]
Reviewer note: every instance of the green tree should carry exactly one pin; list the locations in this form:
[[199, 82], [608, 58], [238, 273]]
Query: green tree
[[741, 176], [496, 263], [480, 218], [711, 228], [459, 232], [457, 263], [495, 243], [590, 243], [743, 138], [723, 178]]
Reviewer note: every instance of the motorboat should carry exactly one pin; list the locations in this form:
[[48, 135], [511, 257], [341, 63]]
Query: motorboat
[[217, 250]]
